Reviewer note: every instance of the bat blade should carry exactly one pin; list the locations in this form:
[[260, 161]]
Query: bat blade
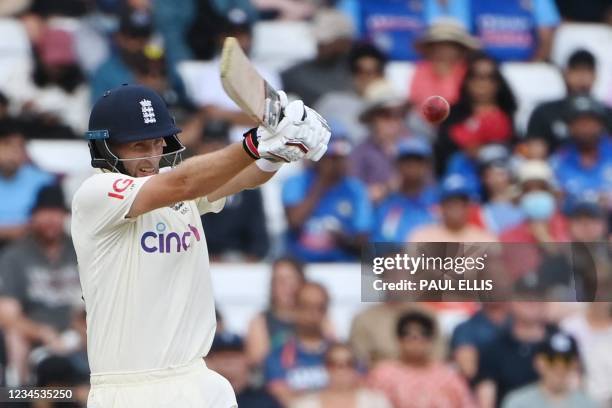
[[246, 87]]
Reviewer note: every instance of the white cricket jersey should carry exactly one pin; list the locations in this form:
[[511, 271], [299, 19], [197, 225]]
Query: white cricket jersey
[[146, 280]]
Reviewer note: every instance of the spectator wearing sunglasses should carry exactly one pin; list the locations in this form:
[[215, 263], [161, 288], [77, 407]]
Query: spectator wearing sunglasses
[[418, 379], [344, 388]]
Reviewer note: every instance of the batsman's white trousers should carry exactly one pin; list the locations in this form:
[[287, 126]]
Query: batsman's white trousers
[[189, 386]]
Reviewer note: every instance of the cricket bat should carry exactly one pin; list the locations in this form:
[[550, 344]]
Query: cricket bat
[[247, 88]]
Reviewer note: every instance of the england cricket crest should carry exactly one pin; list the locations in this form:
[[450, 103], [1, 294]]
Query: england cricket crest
[[148, 114]]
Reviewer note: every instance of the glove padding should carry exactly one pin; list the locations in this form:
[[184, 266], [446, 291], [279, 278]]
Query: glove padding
[[302, 133]]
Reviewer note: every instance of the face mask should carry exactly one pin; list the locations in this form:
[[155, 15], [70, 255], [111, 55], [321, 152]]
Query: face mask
[[538, 205]]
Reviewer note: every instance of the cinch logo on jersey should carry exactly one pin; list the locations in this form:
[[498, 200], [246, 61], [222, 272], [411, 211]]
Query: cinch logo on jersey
[[167, 242]]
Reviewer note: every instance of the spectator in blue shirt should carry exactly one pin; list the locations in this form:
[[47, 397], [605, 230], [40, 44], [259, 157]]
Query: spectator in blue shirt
[[135, 30], [298, 366], [515, 30], [328, 212], [19, 182], [584, 166], [394, 25], [470, 336], [412, 205]]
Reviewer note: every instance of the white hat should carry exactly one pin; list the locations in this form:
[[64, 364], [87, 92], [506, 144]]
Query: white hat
[[535, 170], [380, 94]]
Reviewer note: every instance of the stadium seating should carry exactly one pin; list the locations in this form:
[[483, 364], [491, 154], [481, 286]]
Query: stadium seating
[[279, 44], [14, 48], [532, 83]]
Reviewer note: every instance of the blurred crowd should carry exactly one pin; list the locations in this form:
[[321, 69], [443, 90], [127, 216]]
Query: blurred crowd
[[388, 176]]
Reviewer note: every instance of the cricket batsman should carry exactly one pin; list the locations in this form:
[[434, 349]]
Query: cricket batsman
[[142, 255]]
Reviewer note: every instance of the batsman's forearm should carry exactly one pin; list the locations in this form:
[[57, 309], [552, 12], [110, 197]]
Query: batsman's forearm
[[206, 173], [249, 177]]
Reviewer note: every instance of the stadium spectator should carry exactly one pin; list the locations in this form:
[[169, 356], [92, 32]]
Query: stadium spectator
[[469, 337], [39, 281], [594, 11], [413, 204], [228, 358], [584, 166], [548, 120], [328, 212], [329, 70], [271, 328], [499, 211], [53, 93], [444, 47], [367, 65], [515, 30], [506, 362], [19, 182], [209, 94], [417, 379], [456, 207], [372, 161], [135, 31], [372, 335], [593, 332], [344, 389], [298, 366], [239, 232], [394, 26], [543, 220], [557, 364], [286, 9], [483, 114]]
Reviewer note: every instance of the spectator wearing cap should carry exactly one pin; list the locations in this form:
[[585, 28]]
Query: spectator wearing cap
[[234, 234], [444, 47], [298, 366], [329, 213], [557, 365], [592, 330], [39, 283], [548, 120], [228, 358], [543, 220], [417, 378], [482, 115], [384, 115], [129, 42], [19, 182], [413, 204], [506, 362], [515, 30], [456, 208], [54, 93], [584, 166], [367, 65], [328, 71], [470, 336], [208, 93], [345, 388]]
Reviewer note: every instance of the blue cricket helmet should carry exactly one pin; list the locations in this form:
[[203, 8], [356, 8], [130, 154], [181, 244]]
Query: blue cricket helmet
[[130, 113]]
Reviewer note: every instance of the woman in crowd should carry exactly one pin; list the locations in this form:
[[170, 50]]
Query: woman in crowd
[[344, 388], [482, 115], [271, 327]]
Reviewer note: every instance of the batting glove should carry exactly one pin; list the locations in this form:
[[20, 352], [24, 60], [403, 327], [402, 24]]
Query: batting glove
[[302, 133]]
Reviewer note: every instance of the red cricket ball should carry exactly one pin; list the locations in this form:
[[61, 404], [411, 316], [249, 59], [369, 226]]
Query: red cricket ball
[[435, 109]]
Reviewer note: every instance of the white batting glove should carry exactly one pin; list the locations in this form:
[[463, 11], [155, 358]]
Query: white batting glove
[[302, 133]]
